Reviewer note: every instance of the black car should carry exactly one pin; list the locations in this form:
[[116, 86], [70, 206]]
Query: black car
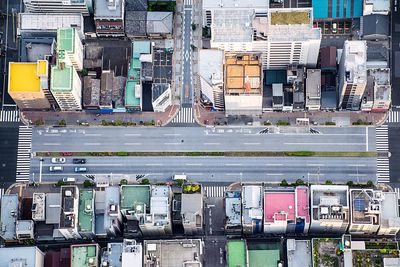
[[79, 161]]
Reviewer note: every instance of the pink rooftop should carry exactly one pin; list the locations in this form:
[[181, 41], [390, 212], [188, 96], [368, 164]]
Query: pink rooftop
[[302, 203]]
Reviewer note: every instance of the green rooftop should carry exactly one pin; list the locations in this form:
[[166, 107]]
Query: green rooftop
[[65, 39], [131, 194], [83, 255], [61, 79], [140, 47], [237, 253], [133, 79], [290, 18], [263, 253], [86, 215]]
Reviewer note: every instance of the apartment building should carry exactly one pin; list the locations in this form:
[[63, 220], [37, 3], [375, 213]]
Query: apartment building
[[365, 211], [313, 89], [379, 80], [28, 84], [243, 84], [69, 48], [233, 212], [211, 62], [112, 215], [389, 217], [192, 213], [59, 6], [286, 210], [38, 207], [330, 208], [109, 18], [352, 74], [9, 216], [21, 256], [296, 76], [68, 225], [85, 255], [86, 217], [252, 209], [125, 254], [282, 36]]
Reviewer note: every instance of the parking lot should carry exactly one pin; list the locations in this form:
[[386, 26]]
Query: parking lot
[[289, 3], [334, 27]]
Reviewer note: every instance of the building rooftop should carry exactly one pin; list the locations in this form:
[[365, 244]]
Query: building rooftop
[[173, 253], [160, 205], [159, 22], [84, 255], [91, 92], [53, 208], [284, 17], [263, 253], [111, 206], [233, 207], [108, 9], [69, 207], [226, 4], [389, 211], [381, 83], [355, 58], [365, 205], [376, 25], [376, 6], [313, 87], [236, 250], [211, 65], [135, 23], [132, 254], [20, 256], [66, 40], [157, 89], [227, 21], [48, 21], [243, 74], [62, 78], [131, 194], [329, 201], [38, 206], [251, 204], [137, 5], [106, 86], [299, 253], [86, 211], [112, 255], [9, 216], [279, 205], [192, 208], [32, 72]]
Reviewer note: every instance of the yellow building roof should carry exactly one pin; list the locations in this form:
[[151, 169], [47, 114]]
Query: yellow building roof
[[24, 76]]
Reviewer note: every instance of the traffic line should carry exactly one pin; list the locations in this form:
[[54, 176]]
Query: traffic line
[[24, 154], [215, 191]]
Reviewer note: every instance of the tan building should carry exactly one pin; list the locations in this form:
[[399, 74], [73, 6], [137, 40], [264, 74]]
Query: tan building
[[243, 83], [28, 84]]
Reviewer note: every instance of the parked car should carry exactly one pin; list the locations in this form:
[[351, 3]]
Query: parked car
[[56, 168], [69, 180], [58, 160], [334, 27], [80, 169], [79, 161]]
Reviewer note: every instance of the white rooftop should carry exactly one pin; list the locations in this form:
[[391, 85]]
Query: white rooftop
[[43, 21], [221, 4], [376, 6], [232, 25], [355, 59], [211, 64]]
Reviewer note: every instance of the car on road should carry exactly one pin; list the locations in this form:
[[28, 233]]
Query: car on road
[[69, 180], [58, 160], [79, 161], [334, 27], [56, 168], [80, 169]]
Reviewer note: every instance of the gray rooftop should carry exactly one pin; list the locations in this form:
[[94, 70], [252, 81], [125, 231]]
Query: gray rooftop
[[224, 4], [105, 10], [159, 22], [211, 64], [340, 193], [252, 203], [136, 5], [389, 210], [135, 23], [91, 92], [233, 207], [53, 208], [111, 205], [376, 25], [313, 87], [226, 22], [20, 256], [118, 91], [112, 255], [9, 216], [381, 82], [49, 22], [299, 253], [157, 90], [192, 206], [106, 86]]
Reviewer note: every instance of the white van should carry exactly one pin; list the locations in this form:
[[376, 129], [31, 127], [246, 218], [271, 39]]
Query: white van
[[56, 168], [179, 177], [69, 180]]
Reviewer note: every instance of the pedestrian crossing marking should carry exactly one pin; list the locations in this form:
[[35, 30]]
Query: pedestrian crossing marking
[[188, 2], [397, 190], [214, 191], [393, 116], [185, 115], [9, 116], [24, 154], [382, 139]]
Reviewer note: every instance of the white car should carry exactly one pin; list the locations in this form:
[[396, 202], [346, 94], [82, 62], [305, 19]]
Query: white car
[[58, 160]]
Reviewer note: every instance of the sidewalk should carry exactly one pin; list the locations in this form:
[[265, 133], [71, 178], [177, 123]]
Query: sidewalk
[[51, 118]]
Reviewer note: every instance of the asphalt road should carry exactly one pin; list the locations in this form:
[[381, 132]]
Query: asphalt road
[[394, 148], [187, 88], [395, 55], [8, 154], [218, 169], [201, 139]]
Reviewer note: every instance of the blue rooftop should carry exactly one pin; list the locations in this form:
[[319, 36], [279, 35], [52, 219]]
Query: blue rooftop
[[336, 9]]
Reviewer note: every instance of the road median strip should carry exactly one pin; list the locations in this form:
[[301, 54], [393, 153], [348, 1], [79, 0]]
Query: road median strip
[[211, 154]]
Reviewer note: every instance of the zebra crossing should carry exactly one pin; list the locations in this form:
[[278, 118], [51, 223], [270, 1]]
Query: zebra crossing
[[393, 116], [1, 192], [185, 115], [397, 190], [188, 2], [214, 191], [382, 169], [382, 142], [9, 116], [24, 154]]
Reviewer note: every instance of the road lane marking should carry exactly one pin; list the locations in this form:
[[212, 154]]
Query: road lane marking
[[275, 174], [153, 164], [133, 134], [94, 134], [252, 143], [273, 164], [172, 134], [354, 174], [193, 164], [366, 138], [329, 144], [233, 164], [132, 144], [232, 174], [315, 164], [90, 164], [51, 144], [91, 144], [52, 135], [194, 173], [356, 165], [212, 144], [172, 144]]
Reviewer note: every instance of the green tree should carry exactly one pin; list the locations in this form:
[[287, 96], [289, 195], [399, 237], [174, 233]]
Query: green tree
[[299, 182], [145, 181], [62, 122], [284, 183], [350, 184], [123, 182], [328, 182], [88, 183], [370, 183]]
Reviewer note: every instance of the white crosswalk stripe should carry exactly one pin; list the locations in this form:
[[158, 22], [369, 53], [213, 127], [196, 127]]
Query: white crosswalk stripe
[[393, 117], [382, 142], [9, 116], [188, 2], [185, 115], [24, 154], [382, 169], [214, 191], [397, 190], [1, 192]]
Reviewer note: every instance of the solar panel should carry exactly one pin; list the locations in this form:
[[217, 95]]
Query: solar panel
[[359, 204]]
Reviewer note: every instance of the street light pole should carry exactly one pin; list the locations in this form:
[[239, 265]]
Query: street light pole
[[40, 171]]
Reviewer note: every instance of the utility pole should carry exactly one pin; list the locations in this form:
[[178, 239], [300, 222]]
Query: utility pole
[[40, 170]]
